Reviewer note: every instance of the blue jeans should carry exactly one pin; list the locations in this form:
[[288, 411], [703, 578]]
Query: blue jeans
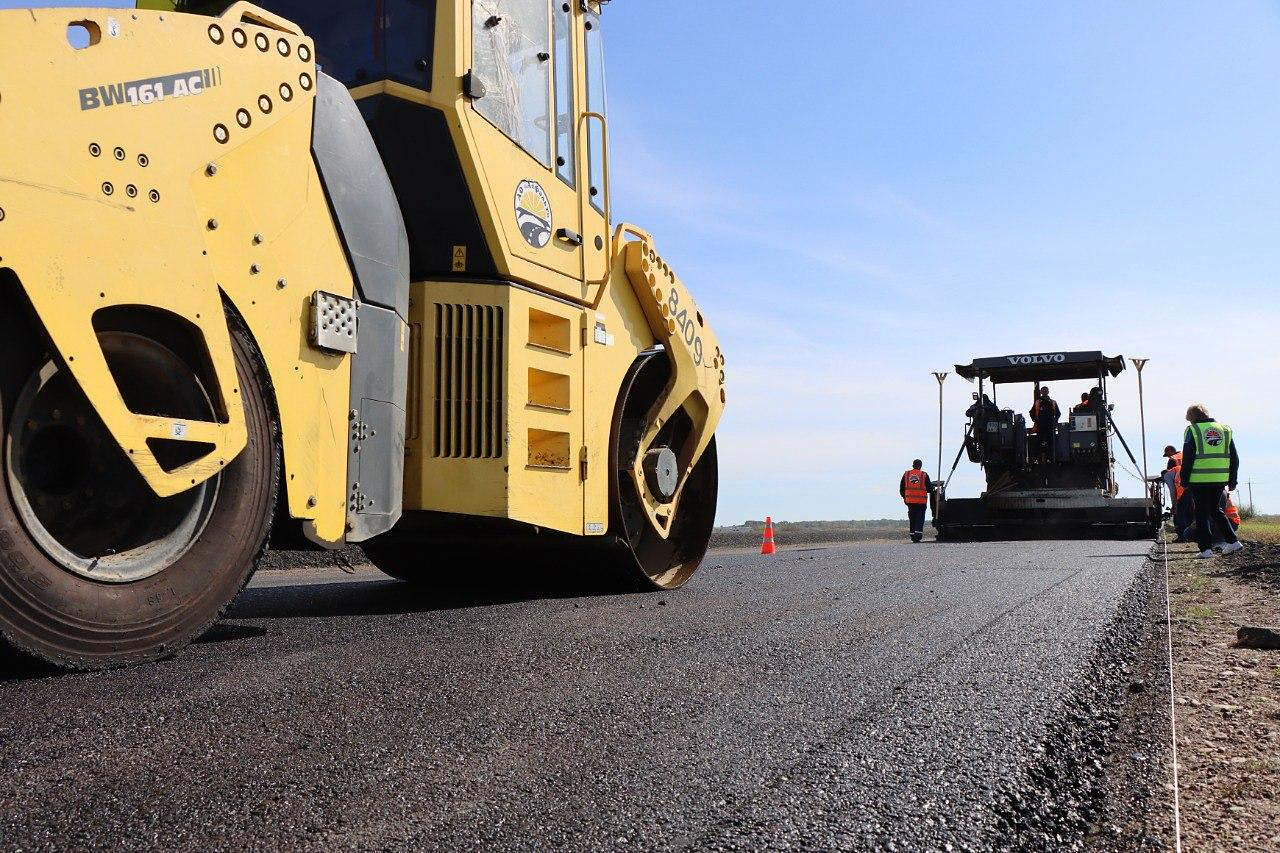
[[1184, 514]]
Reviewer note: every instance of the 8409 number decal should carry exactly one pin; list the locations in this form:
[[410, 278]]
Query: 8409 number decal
[[687, 325]]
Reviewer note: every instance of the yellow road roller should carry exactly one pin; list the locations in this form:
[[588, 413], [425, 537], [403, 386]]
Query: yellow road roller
[[341, 271]]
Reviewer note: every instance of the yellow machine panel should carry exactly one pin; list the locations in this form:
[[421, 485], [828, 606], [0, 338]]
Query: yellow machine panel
[[168, 177], [495, 422]]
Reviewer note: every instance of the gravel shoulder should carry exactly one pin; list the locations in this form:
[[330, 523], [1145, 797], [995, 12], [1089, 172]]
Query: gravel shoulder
[[1228, 698]]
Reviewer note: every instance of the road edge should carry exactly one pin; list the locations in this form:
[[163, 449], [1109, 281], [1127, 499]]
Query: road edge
[[1102, 778]]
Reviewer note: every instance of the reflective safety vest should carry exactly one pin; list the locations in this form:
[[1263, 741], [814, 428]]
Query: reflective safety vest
[[1212, 464], [1178, 488], [914, 491]]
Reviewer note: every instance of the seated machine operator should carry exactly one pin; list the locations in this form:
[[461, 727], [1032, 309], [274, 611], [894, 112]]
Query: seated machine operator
[[982, 409]]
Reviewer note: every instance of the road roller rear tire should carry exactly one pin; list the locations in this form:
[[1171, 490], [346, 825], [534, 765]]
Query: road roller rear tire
[[52, 605]]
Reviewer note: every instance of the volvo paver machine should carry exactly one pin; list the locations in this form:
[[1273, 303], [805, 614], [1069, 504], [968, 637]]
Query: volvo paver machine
[[345, 268], [1042, 482]]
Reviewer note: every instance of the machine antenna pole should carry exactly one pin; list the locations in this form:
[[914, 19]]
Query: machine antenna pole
[[941, 377], [1138, 364]]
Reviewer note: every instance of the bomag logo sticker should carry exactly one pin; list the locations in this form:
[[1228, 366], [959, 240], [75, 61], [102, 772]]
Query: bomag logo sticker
[[152, 90], [533, 214]]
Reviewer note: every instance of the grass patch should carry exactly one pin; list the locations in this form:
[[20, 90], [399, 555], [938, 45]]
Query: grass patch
[[1263, 528], [1200, 611]]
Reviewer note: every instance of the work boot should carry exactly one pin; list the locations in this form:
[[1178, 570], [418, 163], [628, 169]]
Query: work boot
[[916, 537], [1232, 548]]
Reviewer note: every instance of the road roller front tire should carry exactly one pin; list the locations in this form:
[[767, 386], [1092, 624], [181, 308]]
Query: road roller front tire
[[67, 494]]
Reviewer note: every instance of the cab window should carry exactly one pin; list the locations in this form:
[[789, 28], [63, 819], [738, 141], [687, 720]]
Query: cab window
[[595, 104], [363, 42], [566, 115], [512, 61]]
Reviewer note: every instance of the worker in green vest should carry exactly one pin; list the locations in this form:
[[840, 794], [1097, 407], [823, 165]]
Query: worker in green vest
[[1210, 463]]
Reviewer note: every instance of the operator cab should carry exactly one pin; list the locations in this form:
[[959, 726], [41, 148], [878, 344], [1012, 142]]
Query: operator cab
[[489, 116], [1015, 451]]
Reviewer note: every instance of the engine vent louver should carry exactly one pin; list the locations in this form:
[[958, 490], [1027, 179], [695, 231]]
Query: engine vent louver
[[469, 382]]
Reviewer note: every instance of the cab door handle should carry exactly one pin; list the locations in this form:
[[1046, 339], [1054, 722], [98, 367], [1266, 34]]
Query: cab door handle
[[573, 238]]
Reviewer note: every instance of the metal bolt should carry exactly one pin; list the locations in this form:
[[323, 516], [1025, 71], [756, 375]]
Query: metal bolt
[[257, 239], [211, 169], [353, 414], [1, 214], [213, 224], [255, 269], [311, 502], [282, 284]]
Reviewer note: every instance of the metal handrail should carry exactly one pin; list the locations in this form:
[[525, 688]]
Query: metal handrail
[[607, 190]]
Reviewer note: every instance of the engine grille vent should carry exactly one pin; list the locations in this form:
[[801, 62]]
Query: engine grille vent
[[469, 382]]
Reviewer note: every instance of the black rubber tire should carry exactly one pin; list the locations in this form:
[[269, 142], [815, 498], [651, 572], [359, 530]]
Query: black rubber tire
[[75, 622], [648, 561]]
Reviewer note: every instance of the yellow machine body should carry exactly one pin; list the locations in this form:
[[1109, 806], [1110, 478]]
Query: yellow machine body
[[115, 196], [167, 165]]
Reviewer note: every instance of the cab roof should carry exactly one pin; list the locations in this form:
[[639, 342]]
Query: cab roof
[[1042, 367]]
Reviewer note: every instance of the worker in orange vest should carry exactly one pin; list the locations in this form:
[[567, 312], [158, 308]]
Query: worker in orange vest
[[1184, 506], [1045, 414], [915, 489]]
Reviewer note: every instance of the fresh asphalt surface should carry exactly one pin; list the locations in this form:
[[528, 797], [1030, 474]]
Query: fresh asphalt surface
[[845, 696]]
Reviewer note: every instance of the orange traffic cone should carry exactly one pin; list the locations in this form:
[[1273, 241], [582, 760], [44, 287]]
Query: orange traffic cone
[[767, 546]]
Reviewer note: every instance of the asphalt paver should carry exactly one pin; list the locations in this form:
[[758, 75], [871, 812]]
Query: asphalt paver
[[885, 696]]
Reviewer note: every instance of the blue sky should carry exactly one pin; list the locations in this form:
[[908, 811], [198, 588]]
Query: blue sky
[[863, 192]]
